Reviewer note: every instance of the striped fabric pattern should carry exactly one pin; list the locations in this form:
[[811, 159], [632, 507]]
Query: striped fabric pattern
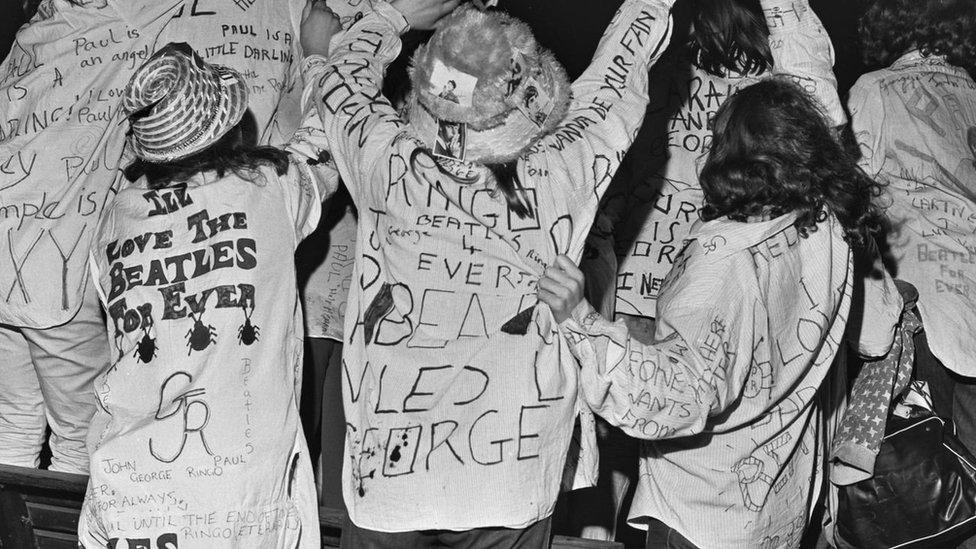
[[178, 104]]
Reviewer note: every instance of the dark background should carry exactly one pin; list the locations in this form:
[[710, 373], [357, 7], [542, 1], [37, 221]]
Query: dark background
[[571, 29]]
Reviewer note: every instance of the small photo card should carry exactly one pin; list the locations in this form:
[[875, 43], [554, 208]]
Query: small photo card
[[452, 85], [516, 73], [536, 104], [450, 142]]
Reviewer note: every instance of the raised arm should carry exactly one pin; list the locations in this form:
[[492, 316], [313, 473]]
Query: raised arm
[[360, 125], [609, 101], [311, 161], [801, 49], [312, 171]]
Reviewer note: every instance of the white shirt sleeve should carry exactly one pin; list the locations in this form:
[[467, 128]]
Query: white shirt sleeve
[[579, 157], [802, 49], [695, 368]]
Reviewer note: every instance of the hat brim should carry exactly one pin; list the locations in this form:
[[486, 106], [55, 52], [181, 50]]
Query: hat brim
[[506, 136]]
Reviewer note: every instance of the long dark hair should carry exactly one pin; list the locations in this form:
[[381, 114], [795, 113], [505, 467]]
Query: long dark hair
[[891, 28], [505, 176], [730, 36], [773, 153], [230, 154], [508, 182]]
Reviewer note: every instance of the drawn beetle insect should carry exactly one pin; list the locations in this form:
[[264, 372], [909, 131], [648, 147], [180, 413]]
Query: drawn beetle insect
[[146, 349], [248, 333], [201, 335]]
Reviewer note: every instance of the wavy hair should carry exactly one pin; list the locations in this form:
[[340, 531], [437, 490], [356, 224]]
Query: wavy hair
[[891, 28], [773, 153], [730, 36], [229, 154]]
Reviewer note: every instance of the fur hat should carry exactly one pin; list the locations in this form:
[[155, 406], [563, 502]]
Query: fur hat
[[179, 104], [484, 73]]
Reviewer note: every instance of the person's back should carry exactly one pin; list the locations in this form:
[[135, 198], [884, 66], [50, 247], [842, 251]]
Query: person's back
[[258, 39], [197, 439], [924, 111], [62, 138], [198, 282], [458, 385], [915, 122], [759, 464], [731, 394], [753, 475], [733, 44]]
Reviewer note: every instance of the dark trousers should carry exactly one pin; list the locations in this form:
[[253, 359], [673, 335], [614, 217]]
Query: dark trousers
[[327, 358], [953, 396], [535, 536], [662, 536]]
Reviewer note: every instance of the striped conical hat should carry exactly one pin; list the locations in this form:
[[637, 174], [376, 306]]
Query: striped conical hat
[[179, 104]]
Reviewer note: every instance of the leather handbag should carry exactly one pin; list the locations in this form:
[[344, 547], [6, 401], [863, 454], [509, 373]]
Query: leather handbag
[[923, 492]]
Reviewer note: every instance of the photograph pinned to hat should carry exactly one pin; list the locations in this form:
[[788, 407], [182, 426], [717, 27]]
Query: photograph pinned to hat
[[178, 104], [452, 85], [516, 73], [536, 104], [499, 54], [450, 140]]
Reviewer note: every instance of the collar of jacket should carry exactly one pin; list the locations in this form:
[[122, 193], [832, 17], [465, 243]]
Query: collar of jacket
[[723, 237], [915, 56]]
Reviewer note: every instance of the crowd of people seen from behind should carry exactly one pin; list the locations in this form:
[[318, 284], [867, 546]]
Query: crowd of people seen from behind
[[671, 285]]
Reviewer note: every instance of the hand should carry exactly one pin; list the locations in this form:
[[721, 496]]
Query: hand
[[424, 14], [319, 25], [561, 288]]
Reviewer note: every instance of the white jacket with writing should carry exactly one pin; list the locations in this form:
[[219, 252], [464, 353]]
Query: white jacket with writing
[[63, 131], [916, 124], [656, 212], [459, 394], [727, 397]]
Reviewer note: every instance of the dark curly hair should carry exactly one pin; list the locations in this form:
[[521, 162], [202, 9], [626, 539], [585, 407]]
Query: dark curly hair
[[891, 28], [730, 36], [232, 153], [773, 153]]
